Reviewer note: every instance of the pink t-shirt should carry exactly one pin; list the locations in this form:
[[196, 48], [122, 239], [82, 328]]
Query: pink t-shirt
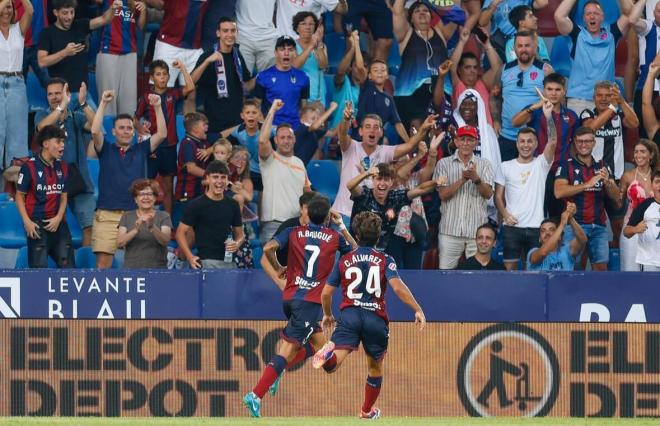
[[350, 160], [483, 91]]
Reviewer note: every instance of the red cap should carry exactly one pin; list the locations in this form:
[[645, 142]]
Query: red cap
[[467, 131]]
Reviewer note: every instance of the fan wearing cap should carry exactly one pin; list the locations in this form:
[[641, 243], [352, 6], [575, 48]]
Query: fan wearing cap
[[464, 197], [283, 81]]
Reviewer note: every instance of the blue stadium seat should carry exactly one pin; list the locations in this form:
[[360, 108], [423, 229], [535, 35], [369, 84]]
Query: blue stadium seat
[[12, 234], [180, 129], [74, 228], [177, 213], [86, 259], [92, 89], [330, 88], [394, 60], [108, 125], [36, 94], [93, 166], [324, 177], [257, 252], [336, 44], [4, 197], [560, 55], [614, 263], [22, 260]]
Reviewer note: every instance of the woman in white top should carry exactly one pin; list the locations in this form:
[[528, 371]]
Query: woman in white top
[[13, 96]]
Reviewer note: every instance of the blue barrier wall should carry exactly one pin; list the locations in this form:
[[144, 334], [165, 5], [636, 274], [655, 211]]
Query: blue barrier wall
[[240, 294]]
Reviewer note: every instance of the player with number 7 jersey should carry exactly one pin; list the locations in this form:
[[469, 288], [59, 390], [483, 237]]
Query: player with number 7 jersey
[[363, 275], [311, 256]]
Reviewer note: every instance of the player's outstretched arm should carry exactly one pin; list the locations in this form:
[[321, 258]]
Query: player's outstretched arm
[[271, 265], [403, 292]]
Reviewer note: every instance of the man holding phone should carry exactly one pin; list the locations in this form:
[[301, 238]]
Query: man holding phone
[[63, 46]]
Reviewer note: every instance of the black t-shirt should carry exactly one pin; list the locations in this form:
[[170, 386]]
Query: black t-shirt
[[282, 252], [222, 113], [213, 222], [72, 68], [307, 142], [472, 264]]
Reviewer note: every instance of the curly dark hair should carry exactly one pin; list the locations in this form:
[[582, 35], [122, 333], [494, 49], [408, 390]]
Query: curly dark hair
[[140, 184], [366, 228], [301, 16]]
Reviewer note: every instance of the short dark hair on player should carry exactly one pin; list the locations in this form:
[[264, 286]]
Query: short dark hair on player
[[56, 80], [224, 19], [122, 116], [158, 63], [50, 132], [64, 4], [318, 209], [555, 77], [217, 167], [552, 220], [518, 14], [301, 16], [304, 199], [366, 228]]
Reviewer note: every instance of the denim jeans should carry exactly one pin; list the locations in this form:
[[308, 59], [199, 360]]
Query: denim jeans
[[13, 119]]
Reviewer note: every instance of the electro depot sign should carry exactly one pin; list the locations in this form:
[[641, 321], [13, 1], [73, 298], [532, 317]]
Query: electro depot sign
[[202, 368]]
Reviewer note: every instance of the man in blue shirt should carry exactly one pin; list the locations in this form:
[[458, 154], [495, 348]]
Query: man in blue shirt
[[119, 165], [283, 81], [553, 255], [593, 51], [520, 81]]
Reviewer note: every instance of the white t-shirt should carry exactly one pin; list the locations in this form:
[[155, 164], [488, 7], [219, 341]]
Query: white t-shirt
[[287, 9], [284, 180], [11, 50], [254, 19], [524, 189], [349, 162]]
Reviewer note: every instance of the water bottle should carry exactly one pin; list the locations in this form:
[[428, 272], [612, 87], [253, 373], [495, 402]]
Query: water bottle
[[229, 256]]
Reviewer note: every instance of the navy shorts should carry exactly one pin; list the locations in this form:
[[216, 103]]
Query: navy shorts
[[375, 12], [303, 322], [357, 325], [162, 161]]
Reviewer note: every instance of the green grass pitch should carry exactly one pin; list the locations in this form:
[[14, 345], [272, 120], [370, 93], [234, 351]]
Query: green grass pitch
[[317, 421]]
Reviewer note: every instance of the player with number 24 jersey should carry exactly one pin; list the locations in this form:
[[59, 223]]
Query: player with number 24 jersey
[[364, 275]]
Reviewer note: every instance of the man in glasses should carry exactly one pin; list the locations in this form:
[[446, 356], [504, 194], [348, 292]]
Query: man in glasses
[[520, 81], [587, 182]]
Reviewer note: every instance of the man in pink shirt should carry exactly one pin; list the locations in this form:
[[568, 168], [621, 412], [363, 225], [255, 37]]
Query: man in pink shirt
[[368, 153]]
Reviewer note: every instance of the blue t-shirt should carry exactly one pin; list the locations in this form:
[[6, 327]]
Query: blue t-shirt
[[518, 90], [374, 101], [347, 92], [593, 60], [290, 86], [317, 89], [252, 145], [500, 20], [117, 172], [558, 260]]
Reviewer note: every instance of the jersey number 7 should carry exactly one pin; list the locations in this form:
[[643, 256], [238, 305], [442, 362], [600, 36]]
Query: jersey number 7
[[373, 281]]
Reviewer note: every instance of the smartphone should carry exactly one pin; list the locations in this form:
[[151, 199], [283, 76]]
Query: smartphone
[[481, 35]]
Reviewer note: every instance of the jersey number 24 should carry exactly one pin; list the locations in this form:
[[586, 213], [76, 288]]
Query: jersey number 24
[[373, 281]]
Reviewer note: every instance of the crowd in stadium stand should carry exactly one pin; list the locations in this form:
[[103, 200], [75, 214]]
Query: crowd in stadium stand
[[503, 134]]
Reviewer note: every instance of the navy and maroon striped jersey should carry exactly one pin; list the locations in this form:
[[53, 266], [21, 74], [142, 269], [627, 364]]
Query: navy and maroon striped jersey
[[43, 185], [182, 23], [566, 122], [363, 275], [189, 186], [311, 256], [118, 37], [590, 203], [169, 103]]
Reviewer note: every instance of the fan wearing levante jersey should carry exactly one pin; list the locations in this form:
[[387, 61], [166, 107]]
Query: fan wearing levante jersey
[[587, 182], [312, 250], [363, 275], [41, 199]]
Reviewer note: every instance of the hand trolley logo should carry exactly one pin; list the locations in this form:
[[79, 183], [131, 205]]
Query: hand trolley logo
[[508, 370], [13, 308]]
